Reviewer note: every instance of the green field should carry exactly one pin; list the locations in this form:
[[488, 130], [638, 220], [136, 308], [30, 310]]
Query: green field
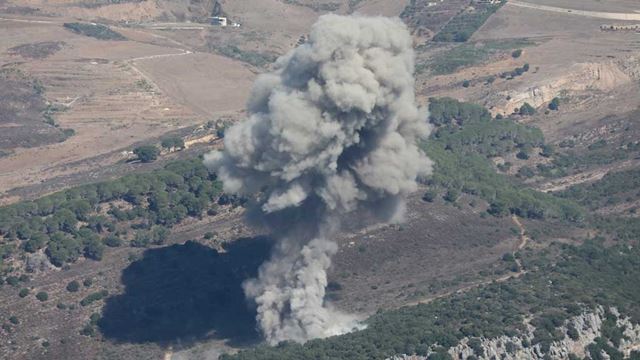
[[470, 54]]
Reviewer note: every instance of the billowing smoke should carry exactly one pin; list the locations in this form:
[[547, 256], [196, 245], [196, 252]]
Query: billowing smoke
[[333, 129]]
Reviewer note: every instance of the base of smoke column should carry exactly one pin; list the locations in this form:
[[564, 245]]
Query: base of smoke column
[[290, 293]]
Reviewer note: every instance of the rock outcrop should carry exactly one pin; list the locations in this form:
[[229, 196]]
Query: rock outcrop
[[588, 327]]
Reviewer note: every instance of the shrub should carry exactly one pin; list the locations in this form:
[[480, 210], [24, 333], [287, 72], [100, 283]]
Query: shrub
[[14, 320], [12, 280], [572, 332], [87, 282], [23, 292], [525, 172], [430, 196], [88, 330], [73, 286], [516, 53], [527, 109], [547, 150], [96, 296], [466, 84], [42, 296], [554, 104]]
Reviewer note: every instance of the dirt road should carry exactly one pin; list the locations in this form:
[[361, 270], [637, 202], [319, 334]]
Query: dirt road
[[593, 14]]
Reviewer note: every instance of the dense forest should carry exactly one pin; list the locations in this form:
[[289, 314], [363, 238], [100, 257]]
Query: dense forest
[[464, 140], [138, 209]]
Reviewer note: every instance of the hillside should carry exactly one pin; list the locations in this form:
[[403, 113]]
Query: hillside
[[116, 242]]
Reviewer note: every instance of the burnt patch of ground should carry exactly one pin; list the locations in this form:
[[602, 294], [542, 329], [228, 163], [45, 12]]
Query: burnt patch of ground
[[183, 293], [23, 112], [21, 10], [38, 50]]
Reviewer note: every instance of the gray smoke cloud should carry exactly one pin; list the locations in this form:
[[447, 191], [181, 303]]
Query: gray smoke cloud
[[333, 129]]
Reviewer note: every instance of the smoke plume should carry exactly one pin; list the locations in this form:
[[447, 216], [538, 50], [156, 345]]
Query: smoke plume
[[333, 129]]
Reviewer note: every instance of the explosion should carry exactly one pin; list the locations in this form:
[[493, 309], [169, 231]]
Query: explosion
[[332, 130]]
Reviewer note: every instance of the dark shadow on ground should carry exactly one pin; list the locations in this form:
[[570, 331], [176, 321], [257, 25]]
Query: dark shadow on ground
[[184, 293]]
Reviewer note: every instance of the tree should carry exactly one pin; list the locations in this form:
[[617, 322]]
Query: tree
[[37, 242], [522, 155], [88, 330], [23, 231], [194, 205], [97, 223], [63, 219], [158, 200], [159, 234], [42, 296], [112, 241], [73, 286], [141, 239], [498, 208], [527, 109], [554, 104], [430, 196], [80, 208], [466, 84], [526, 172], [93, 248], [146, 153], [516, 53], [173, 142], [452, 195], [62, 249]]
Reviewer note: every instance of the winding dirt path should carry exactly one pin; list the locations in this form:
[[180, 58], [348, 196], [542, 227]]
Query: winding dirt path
[[592, 14], [523, 240]]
